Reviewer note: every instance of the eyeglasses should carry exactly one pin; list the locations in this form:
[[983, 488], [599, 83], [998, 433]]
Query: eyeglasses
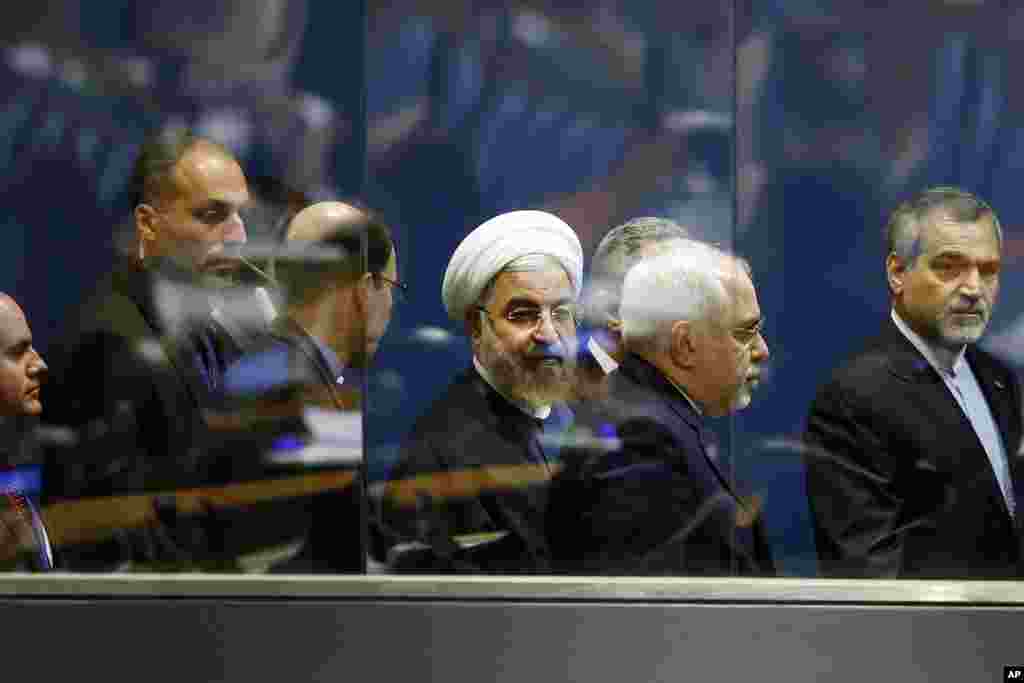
[[400, 289], [562, 316]]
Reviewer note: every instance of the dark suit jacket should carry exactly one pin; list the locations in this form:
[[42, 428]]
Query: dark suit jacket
[[116, 363], [136, 395], [465, 433], [899, 484], [289, 365], [649, 499]]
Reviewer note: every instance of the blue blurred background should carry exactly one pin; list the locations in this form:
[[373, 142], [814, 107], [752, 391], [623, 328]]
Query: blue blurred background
[[784, 128]]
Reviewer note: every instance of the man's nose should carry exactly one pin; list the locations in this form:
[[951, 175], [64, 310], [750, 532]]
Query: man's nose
[[545, 330], [234, 230], [971, 284], [761, 352], [38, 367]]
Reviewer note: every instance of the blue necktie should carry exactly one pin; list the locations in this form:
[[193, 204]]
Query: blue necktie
[[206, 361]]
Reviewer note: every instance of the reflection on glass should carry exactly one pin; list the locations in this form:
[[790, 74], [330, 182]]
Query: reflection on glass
[[654, 498], [192, 416], [909, 465], [468, 490]]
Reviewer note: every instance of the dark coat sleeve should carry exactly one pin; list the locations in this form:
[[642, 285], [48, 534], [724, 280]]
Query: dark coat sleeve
[[136, 422], [452, 487], [851, 486], [638, 509], [618, 512]]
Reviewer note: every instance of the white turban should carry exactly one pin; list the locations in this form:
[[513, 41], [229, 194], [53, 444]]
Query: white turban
[[499, 241]]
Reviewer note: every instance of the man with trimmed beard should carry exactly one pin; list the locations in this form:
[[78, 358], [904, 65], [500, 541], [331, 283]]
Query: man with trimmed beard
[[912, 459], [469, 491], [645, 493]]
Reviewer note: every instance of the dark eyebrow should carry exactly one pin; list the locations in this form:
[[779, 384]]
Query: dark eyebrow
[[524, 302], [521, 303], [215, 204]]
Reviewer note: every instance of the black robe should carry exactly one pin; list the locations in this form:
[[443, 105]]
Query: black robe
[[642, 495], [475, 472]]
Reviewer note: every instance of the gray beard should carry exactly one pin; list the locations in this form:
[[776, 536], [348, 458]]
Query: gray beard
[[542, 383]]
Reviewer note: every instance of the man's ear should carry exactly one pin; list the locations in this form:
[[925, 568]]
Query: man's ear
[[473, 324], [895, 271], [684, 342], [145, 228], [361, 292], [614, 328]]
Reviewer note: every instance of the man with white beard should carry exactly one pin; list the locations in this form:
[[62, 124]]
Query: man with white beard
[[648, 495], [469, 490]]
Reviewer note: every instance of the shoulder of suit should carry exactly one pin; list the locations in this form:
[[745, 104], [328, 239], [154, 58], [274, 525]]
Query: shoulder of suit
[[463, 402]]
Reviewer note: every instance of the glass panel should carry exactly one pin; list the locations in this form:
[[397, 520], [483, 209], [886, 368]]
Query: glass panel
[[595, 113], [176, 433], [205, 400], [846, 110]]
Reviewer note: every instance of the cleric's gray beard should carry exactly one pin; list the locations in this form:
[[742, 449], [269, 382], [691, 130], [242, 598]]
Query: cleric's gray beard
[[528, 380]]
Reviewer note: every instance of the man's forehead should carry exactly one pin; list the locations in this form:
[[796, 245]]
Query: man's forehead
[[944, 233], [542, 285], [207, 173], [742, 305], [13, 324]]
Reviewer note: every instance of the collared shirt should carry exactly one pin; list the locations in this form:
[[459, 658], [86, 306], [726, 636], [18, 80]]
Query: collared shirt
[[330, 358], [334, 364], [959, 379], [540, 412], [607, 363]]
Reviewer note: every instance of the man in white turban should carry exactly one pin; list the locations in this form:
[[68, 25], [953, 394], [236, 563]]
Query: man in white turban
[[468, 492]]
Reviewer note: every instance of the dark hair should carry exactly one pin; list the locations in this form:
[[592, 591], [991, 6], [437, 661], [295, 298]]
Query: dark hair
[[151, 175], [903, 231]]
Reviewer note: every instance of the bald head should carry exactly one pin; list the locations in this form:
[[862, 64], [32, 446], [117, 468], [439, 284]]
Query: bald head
[[316, 223], [22, 370], [338, 267], [331, 241]]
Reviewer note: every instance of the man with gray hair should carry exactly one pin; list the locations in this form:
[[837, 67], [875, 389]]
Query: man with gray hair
[[646, 496], [600, 333], [469, 491], [912, 467]]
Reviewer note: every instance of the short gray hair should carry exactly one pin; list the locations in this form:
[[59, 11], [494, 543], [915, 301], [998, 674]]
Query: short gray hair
[[527, 263], [619, 250], [685, 282], [904, 229]]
